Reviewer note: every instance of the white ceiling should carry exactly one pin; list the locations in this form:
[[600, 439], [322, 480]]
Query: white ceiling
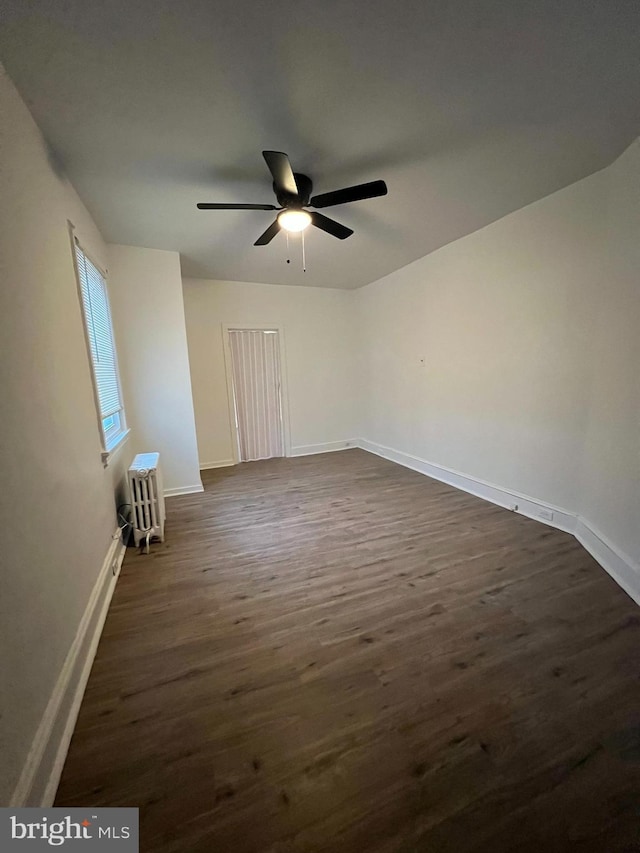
[[467, 109]]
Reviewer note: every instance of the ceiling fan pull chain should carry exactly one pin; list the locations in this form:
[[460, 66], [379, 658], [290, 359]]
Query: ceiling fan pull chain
[[288, 258], [304, 262]]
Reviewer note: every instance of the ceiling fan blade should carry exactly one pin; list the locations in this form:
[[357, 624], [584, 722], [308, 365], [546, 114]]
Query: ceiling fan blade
[[207, 206], [269, 234], [373, 189], [280, 168], [330, 226]]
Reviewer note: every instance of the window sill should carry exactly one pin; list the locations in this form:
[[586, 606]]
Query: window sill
[[108, 455]]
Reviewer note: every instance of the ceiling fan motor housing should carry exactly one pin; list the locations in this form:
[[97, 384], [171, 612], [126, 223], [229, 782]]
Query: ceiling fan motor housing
[[305, 188]]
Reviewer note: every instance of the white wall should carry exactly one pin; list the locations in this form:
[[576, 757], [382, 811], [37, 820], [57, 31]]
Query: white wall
[[57, 501], [319, 339], [503, 319], [145, 289], [529, 330], [610, 487]]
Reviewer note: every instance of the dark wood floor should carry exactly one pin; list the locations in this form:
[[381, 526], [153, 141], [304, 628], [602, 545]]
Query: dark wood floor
[[334, 653]]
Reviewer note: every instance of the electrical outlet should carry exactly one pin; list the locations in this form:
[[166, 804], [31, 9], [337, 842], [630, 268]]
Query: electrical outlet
[[546, 514]]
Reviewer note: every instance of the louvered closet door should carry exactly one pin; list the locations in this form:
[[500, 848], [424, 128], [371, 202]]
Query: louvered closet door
[[255, 357]]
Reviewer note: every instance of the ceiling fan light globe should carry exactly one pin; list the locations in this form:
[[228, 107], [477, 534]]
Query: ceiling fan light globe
[[294, 220]]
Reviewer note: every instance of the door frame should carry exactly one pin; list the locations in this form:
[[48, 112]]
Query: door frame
[[284, 388]]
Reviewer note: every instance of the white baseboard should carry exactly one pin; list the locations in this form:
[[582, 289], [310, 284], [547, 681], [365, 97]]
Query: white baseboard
[[327, 447], [620, 566], [42, 770], [624, 570], [184, 490], [507, 498], [223, 463], [301, 450]]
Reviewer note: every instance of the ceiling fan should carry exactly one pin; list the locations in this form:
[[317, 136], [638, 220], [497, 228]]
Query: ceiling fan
[[293, 193]]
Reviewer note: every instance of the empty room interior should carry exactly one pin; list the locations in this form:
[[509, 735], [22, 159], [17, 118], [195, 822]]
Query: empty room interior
[[321, 422]]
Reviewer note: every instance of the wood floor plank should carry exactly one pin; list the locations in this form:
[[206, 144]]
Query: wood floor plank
[[334, 653]]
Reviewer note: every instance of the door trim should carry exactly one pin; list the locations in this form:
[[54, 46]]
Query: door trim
[[284, 385]]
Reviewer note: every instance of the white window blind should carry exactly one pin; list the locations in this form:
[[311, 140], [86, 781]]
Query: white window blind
[[95, 302]]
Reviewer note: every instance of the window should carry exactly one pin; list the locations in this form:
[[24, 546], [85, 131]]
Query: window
[[97, 320]]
